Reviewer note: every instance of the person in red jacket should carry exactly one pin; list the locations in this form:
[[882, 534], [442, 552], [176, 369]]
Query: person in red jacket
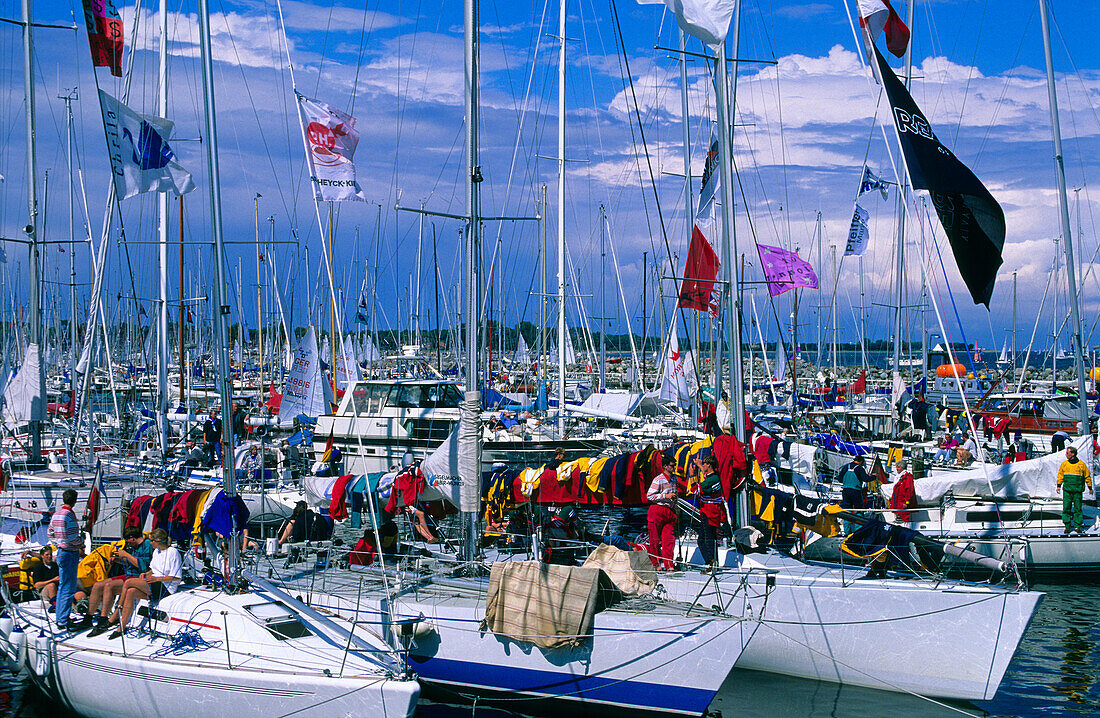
[[904, 496]]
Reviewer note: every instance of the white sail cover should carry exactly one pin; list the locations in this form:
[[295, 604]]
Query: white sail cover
[[469, 452], [347, 369], [1035, 478], [522, 355], [24, 399], [678, 381], [304, 393], [442, 471]]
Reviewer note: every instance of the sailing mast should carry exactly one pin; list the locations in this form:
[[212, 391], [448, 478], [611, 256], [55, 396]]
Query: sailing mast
[[731, 273], [1063, 206], [211, 134], [38, 407], [903, 194], [162, 248], [561, 218]]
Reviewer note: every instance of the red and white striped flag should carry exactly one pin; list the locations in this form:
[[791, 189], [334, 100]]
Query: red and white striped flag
[[878, 15]]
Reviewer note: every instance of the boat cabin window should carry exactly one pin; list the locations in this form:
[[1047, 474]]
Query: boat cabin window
[[279, 620], [369, 398], [424, 396]]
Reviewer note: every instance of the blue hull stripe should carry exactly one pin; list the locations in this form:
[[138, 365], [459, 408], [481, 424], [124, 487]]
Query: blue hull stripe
[[596, 689]]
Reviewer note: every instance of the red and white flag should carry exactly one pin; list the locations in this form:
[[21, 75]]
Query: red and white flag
[[679, 383], [875, 16], [91, 509], [331, 139]]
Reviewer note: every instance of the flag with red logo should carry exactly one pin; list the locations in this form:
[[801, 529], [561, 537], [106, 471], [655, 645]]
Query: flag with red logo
[[104, 34], [95, 495], [679, 383], [700, 272], [876, 16], [331, 139]]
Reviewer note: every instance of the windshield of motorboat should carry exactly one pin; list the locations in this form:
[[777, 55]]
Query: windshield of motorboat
[[372, 398]]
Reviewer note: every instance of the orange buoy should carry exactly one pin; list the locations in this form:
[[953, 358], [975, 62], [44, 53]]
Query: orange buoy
[[951, 370]]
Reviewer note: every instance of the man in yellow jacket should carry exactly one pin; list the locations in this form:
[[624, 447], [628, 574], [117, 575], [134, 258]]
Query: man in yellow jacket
[[1073, 476]]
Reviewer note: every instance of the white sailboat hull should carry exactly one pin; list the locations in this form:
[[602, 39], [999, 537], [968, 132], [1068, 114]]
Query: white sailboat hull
[[943, 640]]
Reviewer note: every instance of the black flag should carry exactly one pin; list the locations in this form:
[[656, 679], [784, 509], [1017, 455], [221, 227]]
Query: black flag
[[971, 218]]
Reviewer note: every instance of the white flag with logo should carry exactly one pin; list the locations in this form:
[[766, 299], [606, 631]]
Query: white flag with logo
[[678, 382], [141, 159], [331, 139], [858, 234]]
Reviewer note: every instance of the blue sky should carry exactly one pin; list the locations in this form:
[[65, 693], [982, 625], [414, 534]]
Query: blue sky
[[804, 128]]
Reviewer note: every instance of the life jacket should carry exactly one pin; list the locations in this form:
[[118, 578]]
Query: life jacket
[[27, 565], [95, 566]]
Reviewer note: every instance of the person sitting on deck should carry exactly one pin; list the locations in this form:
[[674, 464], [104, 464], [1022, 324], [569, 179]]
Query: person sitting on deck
[[163, 578], [45, 576], [131, 560]]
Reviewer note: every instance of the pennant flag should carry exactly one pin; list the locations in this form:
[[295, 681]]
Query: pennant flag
[[104, 34], [972, 220], [710, 178], [362, 313], [95, 495], [141, 159], [331, 139], [678, 383], [858, 234], [708, 20], [700, 272], [878, 15], [785, 270], [872, 182]]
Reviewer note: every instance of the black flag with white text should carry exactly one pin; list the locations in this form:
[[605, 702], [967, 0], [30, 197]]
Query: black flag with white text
[[971, 218]]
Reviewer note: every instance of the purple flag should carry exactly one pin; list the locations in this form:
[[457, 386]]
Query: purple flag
[[785, 270]]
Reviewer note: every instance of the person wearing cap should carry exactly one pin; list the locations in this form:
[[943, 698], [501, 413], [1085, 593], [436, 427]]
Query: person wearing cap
[[854, 487]]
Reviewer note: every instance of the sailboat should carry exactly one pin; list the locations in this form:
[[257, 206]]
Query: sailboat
[[243, 647]]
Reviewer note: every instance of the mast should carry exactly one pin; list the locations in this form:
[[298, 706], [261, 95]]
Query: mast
[[1014, 325], [603, 299], [833, 248], [38, 408], [416, 311], [725, 104], [689, 214], [182, 328], [561, 218], [472, 450], [903, 193], [1063, 206], [74, 332], [211, 135], [162, 243], [259, 304], [542, 294]]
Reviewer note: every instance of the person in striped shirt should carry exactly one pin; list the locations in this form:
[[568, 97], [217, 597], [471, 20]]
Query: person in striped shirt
[[65, 535]]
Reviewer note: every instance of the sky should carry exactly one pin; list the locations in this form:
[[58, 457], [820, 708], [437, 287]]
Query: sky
[[808, 117]]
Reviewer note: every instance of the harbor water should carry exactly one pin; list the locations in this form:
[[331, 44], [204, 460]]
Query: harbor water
[[1055, 673]]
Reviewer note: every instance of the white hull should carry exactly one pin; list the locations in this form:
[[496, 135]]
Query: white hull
[[652, 660], [248, 672], [944, 640]]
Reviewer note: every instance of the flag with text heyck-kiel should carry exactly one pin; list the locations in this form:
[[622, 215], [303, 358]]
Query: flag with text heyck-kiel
[[141, 158], [785, 270], [331, 139]]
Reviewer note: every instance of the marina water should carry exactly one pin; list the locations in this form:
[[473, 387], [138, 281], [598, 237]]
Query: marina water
[[1056, 672]]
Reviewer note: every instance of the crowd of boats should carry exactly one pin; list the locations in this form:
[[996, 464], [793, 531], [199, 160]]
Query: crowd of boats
[[393, 524]]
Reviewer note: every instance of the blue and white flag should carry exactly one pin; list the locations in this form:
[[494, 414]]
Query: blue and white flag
[[858, 233], [362, 315], [871, 182], [141, 158]]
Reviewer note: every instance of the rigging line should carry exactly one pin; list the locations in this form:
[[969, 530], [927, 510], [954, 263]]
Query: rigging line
[[652, 178], [363, 35], [1004, 90], [970, 71], [275, 174]]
